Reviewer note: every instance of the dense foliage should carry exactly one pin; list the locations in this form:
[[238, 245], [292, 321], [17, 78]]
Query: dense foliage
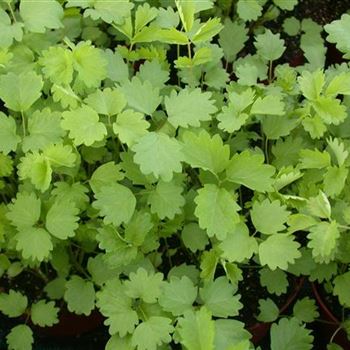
[[152, 152]]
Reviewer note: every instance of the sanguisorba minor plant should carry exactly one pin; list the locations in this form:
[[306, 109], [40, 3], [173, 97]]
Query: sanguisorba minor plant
[[152, 152]]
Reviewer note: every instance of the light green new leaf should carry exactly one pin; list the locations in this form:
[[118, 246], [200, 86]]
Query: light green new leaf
[[189, 108], [138, 227], [13, 304], [330, 110], [152, 71], [117, 307], [341, 288], [193, 237], [60, 155], [116, 204], [206, 152], [314, 159], [289, 334], [158, 154], [218, 297], [19, 92], [279, 250], [8, 134], [319, 206], [286, 4], [108, 101], [80, 296], [83, 126], [207, 30], [232, 44], [238, 245], [144, 285], [249, 170], [152, 333], [334, 180], [269, 311], [141, 96], [20, 338], [305, 310], [269, 46], [197, 330], [270, 105], [9, 31], [269, 217], [249, 10], [339, 85], [311, 84], [178, 295], [338, 149], [89, 63], [166, 200], [323, 240], [337, 33], [61, 219], [24, 211], [44, 128], [130, 126], [37, 17], [216, 211], [34, 242], [44, 314]]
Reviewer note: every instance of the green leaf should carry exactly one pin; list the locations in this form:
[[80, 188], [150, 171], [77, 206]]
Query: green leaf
[[8, 134], [232, 44], [158, 154], [193, 237], [197, 330], [207, 30], [153, 72], [44, 314], [288, 334], [269, 217], [249, 10], [314, 159], [83, 126], [286, 4], [339, 85], [341, 288], [186, 10], [116, 204], [239, 237], [138, 227], [152, 333], [337, 33], [205, 152], [89, 63], [279, 250], [143, 285], [249, 170], [9, 31], [338, 149], [319, 206], [130, 126], [37, 17], [117, 307], [269, 311], [218, 297], [216, 211], [108, 101], [44, 129], [311, 84], [330, 110], [19, 92], [189, 107], [13, 304], [34, 242], [116, 342], [20, 338], [323, 240], [166, 200], [334, 180], [270, 105], [61, 219], [275, 281], [80, 296], [178, 295], [141, 96], [269, 46], [105, 175], [24, 211], [305, 310], [57, 65]]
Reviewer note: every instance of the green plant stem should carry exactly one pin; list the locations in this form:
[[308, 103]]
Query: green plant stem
[[267, 150], [77, 266], [335, 333], [270, 72], [23, 124], [11, 12]]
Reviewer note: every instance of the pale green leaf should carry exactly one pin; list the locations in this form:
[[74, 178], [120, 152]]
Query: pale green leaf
[[8, 134], [13, 303], [20, 338], [44, 313]]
